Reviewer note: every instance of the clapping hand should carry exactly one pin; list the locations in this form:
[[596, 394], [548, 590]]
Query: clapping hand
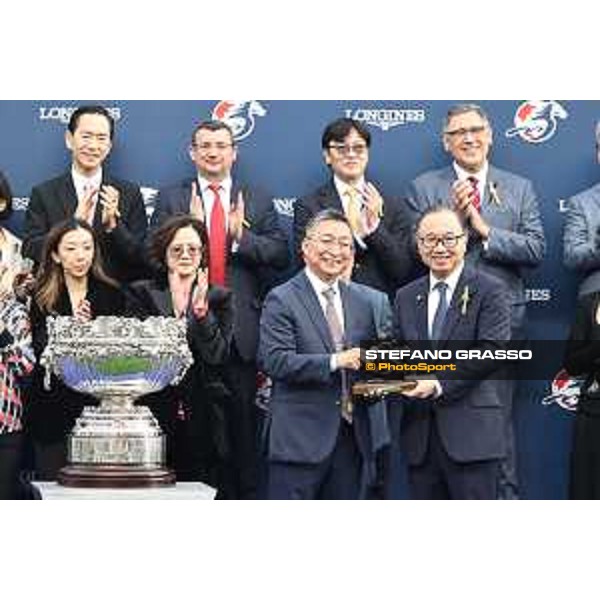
[[462, 196], [109, 198], [200, 297], [83, 312], [196, 206], [237, 218], [86, 205], [373, 203]]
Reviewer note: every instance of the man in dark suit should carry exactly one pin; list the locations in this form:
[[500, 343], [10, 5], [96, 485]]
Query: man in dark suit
[[453, 430], [114, 207], [581, 238], [505, 227], [246, 245], [384, 257], [319, 442]]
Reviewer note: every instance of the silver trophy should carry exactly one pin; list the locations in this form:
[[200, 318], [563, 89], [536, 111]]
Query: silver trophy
[[116, 360]]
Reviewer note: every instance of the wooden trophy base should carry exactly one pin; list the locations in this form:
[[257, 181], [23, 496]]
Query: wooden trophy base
[[115, 476]]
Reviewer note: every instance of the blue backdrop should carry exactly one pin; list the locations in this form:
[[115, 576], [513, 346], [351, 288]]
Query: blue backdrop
[[280, 150]]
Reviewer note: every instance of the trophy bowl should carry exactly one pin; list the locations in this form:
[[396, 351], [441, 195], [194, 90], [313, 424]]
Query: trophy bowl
[[117, 360]]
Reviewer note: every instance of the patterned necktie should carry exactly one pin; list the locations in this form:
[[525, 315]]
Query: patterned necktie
[[337, 335], [476, 197], [440, 313], [217, 238], [353, 210]]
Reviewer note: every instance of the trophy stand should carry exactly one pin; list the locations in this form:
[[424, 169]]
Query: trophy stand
[[117, 360], [111, 447]]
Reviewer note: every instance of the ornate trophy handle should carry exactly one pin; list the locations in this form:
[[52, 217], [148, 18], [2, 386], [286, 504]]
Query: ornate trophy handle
[[375, 389]]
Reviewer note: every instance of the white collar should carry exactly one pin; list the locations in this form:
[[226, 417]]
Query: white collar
[[342, 187], [81, 180], [319, 285], [481, 175], [451, 280], [225, 185]]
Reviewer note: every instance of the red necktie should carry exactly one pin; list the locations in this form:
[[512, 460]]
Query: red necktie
[[217, 239], [476, 197]]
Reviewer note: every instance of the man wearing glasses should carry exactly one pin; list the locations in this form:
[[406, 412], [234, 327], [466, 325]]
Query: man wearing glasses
[[245, 243], [453, 430], [501, 210], [379, 226], [113, 207], [311, 328]]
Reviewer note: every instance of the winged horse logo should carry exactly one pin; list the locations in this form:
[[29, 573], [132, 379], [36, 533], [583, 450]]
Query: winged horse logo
[[536, 120], [565, 391], [240, 116]]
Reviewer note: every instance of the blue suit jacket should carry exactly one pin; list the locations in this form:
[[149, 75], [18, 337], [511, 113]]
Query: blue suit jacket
[[469, 414], [263, 248], [517, 237], [295, 351], [582, 238]]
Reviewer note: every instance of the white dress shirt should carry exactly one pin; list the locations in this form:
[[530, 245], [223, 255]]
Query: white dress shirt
[[83, 184]]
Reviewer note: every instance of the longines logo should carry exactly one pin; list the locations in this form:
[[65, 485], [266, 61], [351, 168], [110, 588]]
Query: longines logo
[[20, 203], [63, 113], [538, 295], [284, 206], [386, 118], [149, 195]]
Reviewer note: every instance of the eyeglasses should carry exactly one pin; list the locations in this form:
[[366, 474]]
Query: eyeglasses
[[345, 244], [206, 148], [464, 131], [178, 250], [358, 149], [430, 241]]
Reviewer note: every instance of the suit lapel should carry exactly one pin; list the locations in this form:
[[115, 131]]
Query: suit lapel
[[329, 198], [421, 309], [454, 313], [351, 337], [68, 196], [448, 178], [308, 297]]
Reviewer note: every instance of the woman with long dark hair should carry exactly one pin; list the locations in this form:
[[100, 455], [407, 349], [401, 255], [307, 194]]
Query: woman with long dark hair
[[194, 414], [70, 282]]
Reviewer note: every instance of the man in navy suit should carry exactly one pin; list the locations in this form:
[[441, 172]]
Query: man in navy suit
[[381, 228], [114, 207], [320, 444], [506, 236], [453, 429], [253, 248]]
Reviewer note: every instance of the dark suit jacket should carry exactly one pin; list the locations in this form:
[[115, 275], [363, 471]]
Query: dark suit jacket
[[262, 248], [387, 262], [122, 249], [295, 351], [201, 392], [51, 414], [517, 236], [581, 241], [469, 414]]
